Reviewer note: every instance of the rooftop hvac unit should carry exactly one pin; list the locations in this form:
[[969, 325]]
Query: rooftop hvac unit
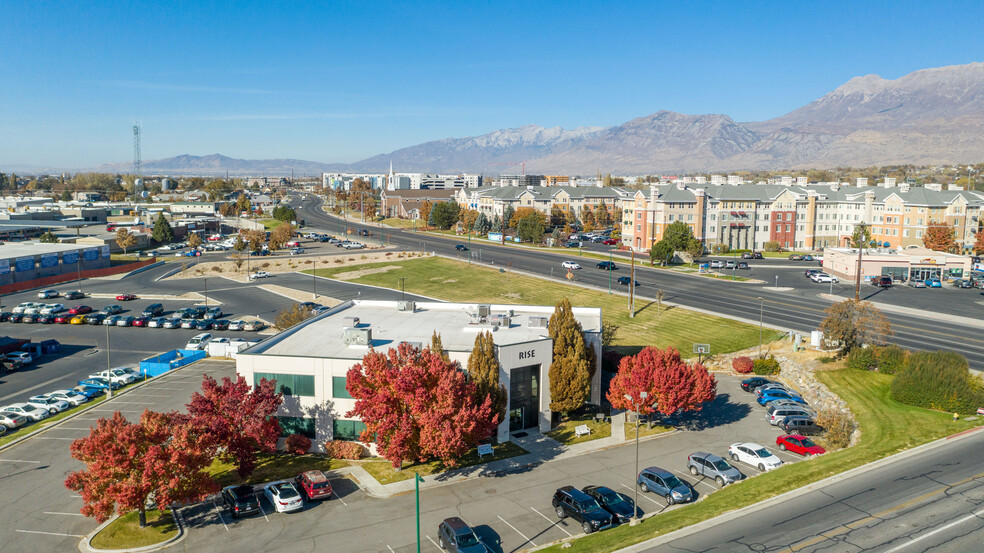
[[538, 322], [484, 309], [406, 306], [350, 322], [357, 336]]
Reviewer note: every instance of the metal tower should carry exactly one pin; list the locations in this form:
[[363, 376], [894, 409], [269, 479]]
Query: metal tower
[[136, 149]]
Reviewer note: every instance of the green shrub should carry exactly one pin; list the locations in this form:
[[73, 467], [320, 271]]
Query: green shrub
[[892, 359], [938, 380], [721, 248], [765, 366], [862, 359], [771, 246]]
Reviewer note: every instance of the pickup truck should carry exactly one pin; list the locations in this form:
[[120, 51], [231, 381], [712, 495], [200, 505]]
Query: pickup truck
[[118, 376]]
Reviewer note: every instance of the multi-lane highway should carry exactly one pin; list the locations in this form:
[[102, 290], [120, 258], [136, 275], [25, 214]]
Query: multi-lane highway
[[798, 310]]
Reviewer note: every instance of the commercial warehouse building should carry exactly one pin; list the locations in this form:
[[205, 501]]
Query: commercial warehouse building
[[310, 361], [20, 261]]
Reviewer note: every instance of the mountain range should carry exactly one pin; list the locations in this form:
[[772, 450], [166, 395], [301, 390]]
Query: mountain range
[[930, 116]]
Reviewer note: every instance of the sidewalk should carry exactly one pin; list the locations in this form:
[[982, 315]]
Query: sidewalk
[[542, 449], [968, 321]]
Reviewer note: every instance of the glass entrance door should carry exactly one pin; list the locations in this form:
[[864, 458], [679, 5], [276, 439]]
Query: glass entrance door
[[524, 397]]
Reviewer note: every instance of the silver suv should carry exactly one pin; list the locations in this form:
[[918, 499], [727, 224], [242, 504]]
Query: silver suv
[[775, 413], [712, 466]]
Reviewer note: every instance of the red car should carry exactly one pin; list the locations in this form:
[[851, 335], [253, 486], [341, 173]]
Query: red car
[[314, 484], [125, 297], [799, 444], [140, 321], [610, 242], [80, 310], [63, 319]]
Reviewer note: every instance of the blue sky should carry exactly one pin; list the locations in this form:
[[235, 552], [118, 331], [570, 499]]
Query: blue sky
[[341, 81]]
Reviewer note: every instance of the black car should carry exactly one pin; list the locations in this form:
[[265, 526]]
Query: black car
[[44, 319], [204, 324], [607, 265], [626, 280], [572, 502], [240, 500], [95, 318], [750, 384], [456, 536], [461, 247], [743, 265], [73, 295], [220, 324], [615, 503], [16, 317], [5, 316]]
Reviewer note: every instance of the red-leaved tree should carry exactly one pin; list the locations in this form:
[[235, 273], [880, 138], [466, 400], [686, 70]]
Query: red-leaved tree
[[418, 406], [671, 384], [162, 456], [238, 418]]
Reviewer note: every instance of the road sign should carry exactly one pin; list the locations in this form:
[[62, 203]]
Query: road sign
[[702, 348]]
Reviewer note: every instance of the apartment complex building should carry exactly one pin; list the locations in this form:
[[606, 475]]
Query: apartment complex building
[[808, 217], [493, 201]]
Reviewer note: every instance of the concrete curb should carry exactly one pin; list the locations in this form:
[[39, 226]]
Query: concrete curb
[[85, 547], [147, 268], [683, 532]]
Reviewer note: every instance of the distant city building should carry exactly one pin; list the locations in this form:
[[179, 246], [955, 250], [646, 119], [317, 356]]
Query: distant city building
[[520, 180]]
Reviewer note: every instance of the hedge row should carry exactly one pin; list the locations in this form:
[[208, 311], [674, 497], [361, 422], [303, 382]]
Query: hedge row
[[939, 380]]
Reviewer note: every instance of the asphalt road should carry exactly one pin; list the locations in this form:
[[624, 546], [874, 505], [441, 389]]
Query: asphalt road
[[800, 310], [928, 502]]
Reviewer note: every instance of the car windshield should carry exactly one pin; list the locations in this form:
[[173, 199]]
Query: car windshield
[[808, 442], [763, 453], [721, 464], [672, 482], [467, 539]]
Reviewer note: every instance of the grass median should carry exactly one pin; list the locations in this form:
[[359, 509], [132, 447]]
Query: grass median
[[385, 473], [125, 532], [274, 466], [887, 427], [459, 281]]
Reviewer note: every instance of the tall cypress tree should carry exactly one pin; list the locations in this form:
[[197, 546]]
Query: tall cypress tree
[[483, 369], [572, 366], [436, 345]]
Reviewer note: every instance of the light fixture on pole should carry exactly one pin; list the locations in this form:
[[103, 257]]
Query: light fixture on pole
[[635, 500]]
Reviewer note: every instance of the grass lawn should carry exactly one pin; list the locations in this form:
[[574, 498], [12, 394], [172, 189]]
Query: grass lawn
[[275, 466], [458, 281], [31, 427], [126, 533], [396, 222], [644, 430], [564, 432], [384, 473], [887, 427]]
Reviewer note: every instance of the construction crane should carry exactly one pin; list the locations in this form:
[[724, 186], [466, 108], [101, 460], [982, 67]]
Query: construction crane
[[511, 164]]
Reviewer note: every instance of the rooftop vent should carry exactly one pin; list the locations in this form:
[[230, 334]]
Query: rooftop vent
[[484, 309], [357, 336], [406, 306], [538, 322], [350, 322]]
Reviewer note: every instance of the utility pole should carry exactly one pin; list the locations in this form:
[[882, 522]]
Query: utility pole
[[632, 287], [109, 367]]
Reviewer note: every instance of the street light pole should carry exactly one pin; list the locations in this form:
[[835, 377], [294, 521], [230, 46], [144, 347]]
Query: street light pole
[[205, 280], [635, 500], [109, 367], [761, 313], [314, 278], [403, 288], [416, 484], [609, 271]]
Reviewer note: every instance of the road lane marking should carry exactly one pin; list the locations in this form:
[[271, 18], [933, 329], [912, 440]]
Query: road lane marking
[[19, 461], [51, 533], [66, 514], [937, 531], [553, 522], [218, 512], [435, 543], [517, 531]]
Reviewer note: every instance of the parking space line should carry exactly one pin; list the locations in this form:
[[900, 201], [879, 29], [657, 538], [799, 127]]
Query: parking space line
[[19, 461], [514, 528], [50, 533], [645, 495], [59, 427], [218, 512], [66, 514], [390, 548], [260, 505], [701, 481], [435, 543], [340, 498], [553, 522], [53, 438]]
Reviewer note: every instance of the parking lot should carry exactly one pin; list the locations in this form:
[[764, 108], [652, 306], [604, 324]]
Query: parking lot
[[510, 512]]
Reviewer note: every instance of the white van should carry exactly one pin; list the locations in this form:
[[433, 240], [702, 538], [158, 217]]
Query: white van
[[200, 341]]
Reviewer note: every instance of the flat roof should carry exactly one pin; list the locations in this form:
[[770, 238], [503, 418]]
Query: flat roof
[[909, 252], [321, 336], [24, 249], [17, 224]]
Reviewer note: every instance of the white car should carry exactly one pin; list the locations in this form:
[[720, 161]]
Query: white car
[[259, 274], [52, 308], [283, 496], [45, 294], [754, 455], [26, 410], [570, 265], [70, 396], [199, 341], [824, 278], [53, 405], [717, 264], [237, 325], [115, 375], [33, 309], [22, 356]]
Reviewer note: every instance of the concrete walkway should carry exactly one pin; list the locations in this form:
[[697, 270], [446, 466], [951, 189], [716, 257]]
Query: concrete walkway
[[541, 448]]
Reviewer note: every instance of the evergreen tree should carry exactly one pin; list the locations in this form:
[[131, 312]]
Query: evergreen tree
[[573, 361], [483, 370], [507, 214], [482, 224], [162, 233], [437, 347], [496, 225], [49, 238]]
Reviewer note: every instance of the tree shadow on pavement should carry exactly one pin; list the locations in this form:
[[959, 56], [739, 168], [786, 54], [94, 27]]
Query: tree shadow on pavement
[[719, 412]]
